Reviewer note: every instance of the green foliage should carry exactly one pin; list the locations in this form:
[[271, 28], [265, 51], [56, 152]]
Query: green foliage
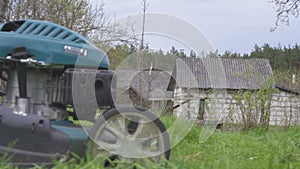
[[234, 150], [5, 158], [180, 52], [130, 55], [77, 15], [255, 105], [284, 61], [118, 53], [281, 58]]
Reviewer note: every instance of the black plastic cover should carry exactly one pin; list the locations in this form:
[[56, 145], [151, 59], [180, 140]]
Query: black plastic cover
[[102, 83]]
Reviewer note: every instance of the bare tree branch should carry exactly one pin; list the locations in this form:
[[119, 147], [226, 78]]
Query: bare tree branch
[[79, 15], [285, 9]]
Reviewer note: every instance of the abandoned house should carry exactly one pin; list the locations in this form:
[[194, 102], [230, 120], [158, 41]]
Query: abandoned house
[[217, 91], [224, 90]]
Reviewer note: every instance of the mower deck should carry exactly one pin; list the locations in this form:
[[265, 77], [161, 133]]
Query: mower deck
[[33, 139]]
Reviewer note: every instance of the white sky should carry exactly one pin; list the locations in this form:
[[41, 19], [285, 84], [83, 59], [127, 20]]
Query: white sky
[[234, 25]]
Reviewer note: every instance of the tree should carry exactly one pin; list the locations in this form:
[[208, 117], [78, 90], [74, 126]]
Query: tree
[[255, 105], [284, 9], [193, 54], [174, 51], [77, 15], [118, 53]]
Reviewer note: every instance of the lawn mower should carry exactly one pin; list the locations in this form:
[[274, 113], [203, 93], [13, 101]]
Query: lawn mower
[[46, 71]]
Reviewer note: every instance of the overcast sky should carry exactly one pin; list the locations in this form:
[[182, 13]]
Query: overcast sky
[[234, 25]]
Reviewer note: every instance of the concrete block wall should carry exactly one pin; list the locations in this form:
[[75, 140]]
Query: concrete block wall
[[285, 106]]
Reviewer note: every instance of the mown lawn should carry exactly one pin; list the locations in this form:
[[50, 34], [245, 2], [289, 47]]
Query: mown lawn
[[257, 148]]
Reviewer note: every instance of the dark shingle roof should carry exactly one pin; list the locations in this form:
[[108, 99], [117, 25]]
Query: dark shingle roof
[[220, 73], [288, 88]]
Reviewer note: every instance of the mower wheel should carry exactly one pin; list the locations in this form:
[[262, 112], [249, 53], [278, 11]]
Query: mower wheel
[[131, 134]]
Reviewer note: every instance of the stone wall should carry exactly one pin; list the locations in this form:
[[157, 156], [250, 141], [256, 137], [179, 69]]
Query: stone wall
[[215, 103], [221, 106], [285, 109]]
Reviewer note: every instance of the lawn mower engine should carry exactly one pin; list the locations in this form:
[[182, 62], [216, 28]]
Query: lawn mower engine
[[40, 63], [46, 90]]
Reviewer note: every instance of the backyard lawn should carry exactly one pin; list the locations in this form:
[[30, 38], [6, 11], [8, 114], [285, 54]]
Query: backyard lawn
[[256, 148]]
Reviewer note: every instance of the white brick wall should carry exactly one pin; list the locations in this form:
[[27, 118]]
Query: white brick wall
[[283, 106]]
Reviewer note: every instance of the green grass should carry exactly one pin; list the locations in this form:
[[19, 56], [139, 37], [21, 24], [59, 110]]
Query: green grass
[[229, 150], [257, 148]]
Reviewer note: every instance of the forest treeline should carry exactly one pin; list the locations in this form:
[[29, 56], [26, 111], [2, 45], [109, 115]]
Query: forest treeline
[[284, 61], [281, 58]]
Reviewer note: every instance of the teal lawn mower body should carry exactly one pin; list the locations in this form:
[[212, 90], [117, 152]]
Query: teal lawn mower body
[[27, 47], [50, 43], [38, 62]]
